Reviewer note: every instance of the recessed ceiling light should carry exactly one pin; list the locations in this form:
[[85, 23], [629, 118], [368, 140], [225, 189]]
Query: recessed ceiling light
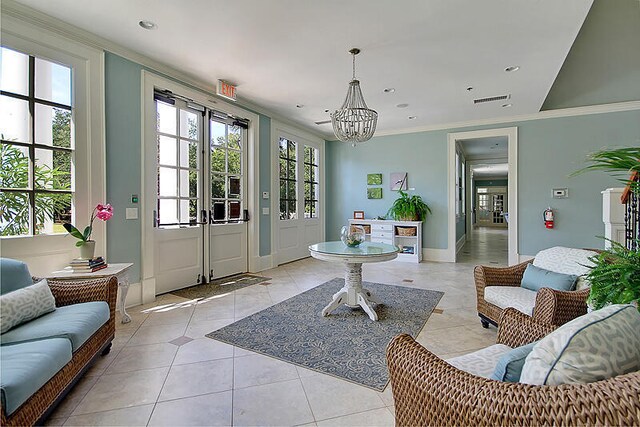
[[402, 105], [389, 90], [512, 68], [147, 25], [470, 88], [299, 105], [326, 111], [412, 117], [506, 105]]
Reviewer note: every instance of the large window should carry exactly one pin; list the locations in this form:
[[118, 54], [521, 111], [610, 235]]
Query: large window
[[37, 145], [311, 185], [288, 179]]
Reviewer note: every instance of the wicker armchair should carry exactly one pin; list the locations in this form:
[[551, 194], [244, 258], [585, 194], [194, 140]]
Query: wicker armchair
[[429, 391], [38, 407], [552, 306]]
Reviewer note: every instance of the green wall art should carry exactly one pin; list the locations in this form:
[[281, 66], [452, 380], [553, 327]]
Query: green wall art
[[374, 179], [374, 193]]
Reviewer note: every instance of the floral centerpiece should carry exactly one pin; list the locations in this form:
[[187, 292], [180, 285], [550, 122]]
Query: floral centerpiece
[[86, 245]]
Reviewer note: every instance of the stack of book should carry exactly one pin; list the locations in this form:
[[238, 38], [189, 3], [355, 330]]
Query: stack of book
[[80, 265]]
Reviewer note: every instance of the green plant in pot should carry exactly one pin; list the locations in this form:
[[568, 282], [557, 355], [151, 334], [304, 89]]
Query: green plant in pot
[[408, 208], [615, 277]]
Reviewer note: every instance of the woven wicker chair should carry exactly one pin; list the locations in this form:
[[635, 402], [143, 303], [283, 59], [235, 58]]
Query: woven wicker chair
[[38, 407], [429, 391], [551, 307]]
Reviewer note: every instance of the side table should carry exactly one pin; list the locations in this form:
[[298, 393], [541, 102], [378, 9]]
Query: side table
[[120, 270]]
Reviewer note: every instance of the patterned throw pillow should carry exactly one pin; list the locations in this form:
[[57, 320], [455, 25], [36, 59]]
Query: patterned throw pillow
[[599, 345], [24, 304]]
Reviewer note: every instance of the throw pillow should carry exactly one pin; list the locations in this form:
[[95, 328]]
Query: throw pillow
[[15, 275], [509, 366], [20, 306], [535, 278], [599, 345]]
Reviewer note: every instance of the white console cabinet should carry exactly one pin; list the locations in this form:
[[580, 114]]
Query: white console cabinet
[[395, 233]]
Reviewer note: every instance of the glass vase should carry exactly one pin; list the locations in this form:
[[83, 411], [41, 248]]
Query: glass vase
[[352, 235]]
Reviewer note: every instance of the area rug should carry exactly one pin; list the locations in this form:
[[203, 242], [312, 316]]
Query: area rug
[[220, 286], [347, 343]]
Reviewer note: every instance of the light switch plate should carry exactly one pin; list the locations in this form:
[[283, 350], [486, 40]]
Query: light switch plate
[[560, 193], [265, 211], [131, 213]]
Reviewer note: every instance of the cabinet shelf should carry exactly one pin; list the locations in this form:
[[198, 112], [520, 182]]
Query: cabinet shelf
[[387, 231]]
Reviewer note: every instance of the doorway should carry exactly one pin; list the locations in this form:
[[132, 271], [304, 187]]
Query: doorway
[[484, 196]]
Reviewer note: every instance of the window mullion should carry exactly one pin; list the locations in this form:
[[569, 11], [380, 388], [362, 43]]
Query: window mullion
[[32, 149]]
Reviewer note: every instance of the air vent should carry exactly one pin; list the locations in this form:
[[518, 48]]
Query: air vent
[[323, 122], [491, 99]]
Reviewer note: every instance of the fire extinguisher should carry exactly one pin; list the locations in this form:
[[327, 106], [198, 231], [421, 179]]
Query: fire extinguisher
[[548, 217]]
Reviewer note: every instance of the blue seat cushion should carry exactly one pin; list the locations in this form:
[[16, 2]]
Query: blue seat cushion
[[536, 278], [26, 367], [509, 366], [14, 275], [75, 322]]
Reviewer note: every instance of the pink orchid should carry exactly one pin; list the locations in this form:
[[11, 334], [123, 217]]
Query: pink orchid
[[103, 212], [104, 215]]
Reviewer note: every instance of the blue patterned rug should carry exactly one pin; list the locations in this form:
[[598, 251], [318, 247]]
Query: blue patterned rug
[[346, 344]]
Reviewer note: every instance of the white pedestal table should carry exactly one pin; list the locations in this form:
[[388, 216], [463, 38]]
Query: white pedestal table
[[353, 294]]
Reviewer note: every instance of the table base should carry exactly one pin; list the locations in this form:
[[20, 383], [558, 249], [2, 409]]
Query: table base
[[353, 294]]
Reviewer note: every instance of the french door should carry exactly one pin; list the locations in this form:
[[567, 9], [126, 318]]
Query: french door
[[200, 228], [491, 204]]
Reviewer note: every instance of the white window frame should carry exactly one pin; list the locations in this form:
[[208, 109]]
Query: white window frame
[[47, 252]]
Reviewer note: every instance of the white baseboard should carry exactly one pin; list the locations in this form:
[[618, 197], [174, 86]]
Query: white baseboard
[[436, 255], [523, 258], [134, 296], [262, 263], [460, 243]]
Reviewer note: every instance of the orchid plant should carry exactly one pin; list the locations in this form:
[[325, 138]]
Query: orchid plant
[[102, 212]]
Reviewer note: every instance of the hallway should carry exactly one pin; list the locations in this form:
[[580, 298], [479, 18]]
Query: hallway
[[488, 246]]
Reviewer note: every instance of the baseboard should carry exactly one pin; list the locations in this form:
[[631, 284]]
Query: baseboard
[[523, 258], [460, 243], [436, 255], [262, 263], [134, 296]]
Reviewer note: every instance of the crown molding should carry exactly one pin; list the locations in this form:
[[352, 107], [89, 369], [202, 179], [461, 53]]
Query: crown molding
[[41, 20], [549, 114]]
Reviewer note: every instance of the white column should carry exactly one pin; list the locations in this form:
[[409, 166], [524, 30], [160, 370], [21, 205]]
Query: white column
[[613, 215]]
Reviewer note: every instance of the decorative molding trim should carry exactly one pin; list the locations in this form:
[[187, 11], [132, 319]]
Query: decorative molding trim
[[549, 114], [262, 263], [42, 20], [436, 255], [460, 243]]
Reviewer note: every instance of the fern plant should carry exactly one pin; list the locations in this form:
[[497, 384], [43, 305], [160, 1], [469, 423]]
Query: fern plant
[[618, 162], [408, 208], [615, 277]]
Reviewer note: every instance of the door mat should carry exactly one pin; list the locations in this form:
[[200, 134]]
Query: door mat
[[346, 344], [220, 286]]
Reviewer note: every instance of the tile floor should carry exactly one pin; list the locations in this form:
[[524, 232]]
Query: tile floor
[[162, 370]]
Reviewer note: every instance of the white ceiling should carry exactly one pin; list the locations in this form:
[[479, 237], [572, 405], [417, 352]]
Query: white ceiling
[[286, 52], [490, 170], [485, 148]]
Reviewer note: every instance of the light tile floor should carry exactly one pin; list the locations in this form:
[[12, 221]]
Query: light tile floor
[[148, 380]]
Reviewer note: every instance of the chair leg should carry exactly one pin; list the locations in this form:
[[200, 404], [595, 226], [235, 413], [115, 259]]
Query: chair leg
[[485, 324], [107, 349]]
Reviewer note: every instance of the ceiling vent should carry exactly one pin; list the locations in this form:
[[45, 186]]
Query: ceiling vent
[[491, 99]]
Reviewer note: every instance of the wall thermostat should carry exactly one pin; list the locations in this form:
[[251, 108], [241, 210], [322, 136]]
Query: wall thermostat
[[560, 193]]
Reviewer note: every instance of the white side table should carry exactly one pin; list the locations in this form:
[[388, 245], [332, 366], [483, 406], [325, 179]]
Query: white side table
[[120, 270]]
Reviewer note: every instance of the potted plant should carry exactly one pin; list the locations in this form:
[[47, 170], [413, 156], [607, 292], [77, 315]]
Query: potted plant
[[409, 208], [86, 245], [614, 277]]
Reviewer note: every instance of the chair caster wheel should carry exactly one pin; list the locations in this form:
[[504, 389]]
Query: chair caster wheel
[[485, 324], [107, 349]]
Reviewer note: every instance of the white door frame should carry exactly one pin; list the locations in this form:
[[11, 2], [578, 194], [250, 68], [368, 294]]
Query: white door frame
[[149, 81], [279, 129], [512, 144]]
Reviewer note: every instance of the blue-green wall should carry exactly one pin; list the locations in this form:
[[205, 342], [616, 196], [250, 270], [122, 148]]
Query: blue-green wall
[[123, 148], [548, 151]]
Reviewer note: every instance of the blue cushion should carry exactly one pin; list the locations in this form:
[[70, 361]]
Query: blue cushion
[[509, 366], [26, 367], [535, 278], [75, 322], [14, 275]]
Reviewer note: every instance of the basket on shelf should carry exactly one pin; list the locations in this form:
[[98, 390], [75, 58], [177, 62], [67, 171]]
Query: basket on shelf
[[367, 227], [406, 231]]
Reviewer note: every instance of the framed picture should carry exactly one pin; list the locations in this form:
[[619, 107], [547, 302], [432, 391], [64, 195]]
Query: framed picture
[[398, 181], [374, 193], [374, 179], [358, 214]]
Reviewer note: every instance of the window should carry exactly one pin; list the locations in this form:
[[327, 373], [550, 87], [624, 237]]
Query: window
[[178, 136], [37, 145], [288, 180], [460, 184], [227, 170], [310, 182]]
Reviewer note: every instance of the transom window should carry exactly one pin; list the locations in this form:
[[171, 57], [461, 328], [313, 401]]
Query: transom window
[[37, 145], [288, 179], [227, 171], [310, 182]]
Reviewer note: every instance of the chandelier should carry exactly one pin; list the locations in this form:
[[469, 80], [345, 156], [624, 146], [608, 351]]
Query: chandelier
[[354, 121]]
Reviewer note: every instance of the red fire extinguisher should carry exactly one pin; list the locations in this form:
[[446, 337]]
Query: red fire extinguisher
[[548, 217]]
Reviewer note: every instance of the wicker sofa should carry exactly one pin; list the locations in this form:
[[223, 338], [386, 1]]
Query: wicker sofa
[[547, 305], [23, 355], [429, 391]]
